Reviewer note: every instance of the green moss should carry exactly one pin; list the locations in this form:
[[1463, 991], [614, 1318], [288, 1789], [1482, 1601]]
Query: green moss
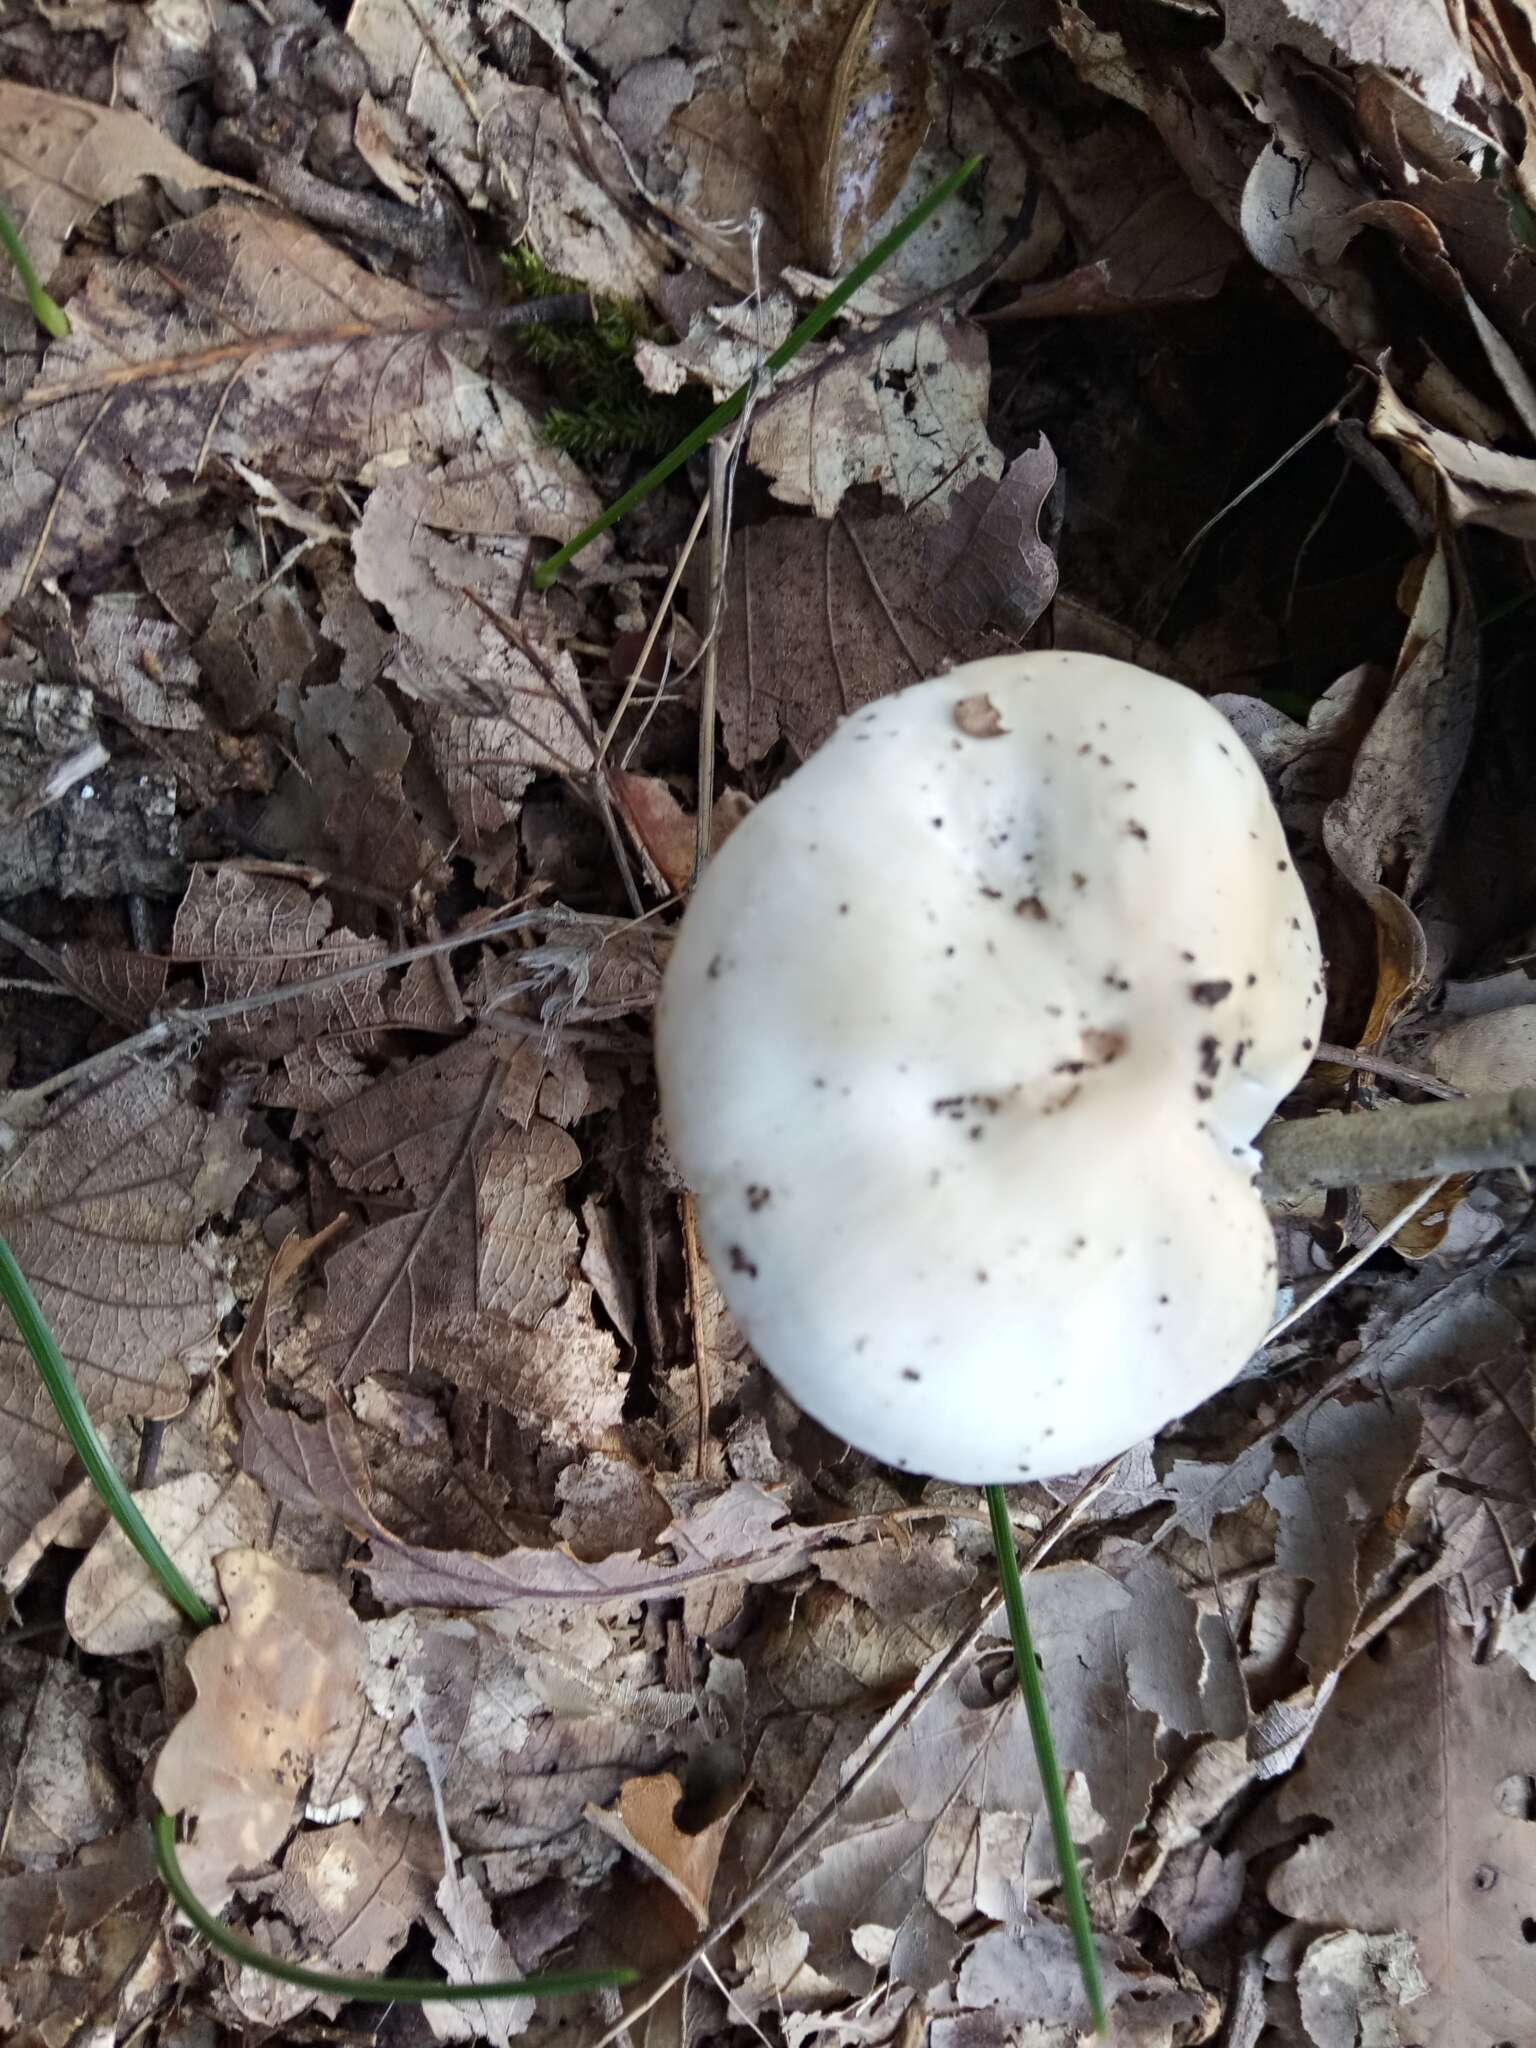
[[604, 407]]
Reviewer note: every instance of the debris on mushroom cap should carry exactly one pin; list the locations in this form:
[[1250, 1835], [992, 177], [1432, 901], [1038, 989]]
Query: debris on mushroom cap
[[963, 1045]]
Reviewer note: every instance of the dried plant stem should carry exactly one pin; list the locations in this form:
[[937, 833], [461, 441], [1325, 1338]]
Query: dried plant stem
[[1407, 1141], [1038, 1713]]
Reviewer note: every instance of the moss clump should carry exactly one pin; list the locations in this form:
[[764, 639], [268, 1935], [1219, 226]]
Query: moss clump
[[604, 408]]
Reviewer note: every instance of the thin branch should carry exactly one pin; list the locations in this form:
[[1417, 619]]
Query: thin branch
[[1406, 1141]]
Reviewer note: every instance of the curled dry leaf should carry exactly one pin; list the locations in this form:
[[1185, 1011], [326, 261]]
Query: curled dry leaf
[[987, 565], [279, 1719], [1422, 1744], [103, 1201], [645, 1823], [64, 158]]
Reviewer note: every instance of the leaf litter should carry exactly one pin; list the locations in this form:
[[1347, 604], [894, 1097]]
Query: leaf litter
[[550, 1631]]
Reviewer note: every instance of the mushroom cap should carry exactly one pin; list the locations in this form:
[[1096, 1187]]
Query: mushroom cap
[[963, 1044]]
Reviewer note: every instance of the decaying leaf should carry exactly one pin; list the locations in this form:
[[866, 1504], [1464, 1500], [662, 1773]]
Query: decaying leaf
[[480, 1280], [1351, 1986], [847, 137], [1422, 1744], [115, 1604], [645, 1823], [245, 336], [64, 158], [466, 1942], [103, 1202], [57, 1788], [987, 565], [279, 1720]]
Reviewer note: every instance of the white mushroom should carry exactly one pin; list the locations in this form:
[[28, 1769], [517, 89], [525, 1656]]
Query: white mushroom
[[963, 1045]]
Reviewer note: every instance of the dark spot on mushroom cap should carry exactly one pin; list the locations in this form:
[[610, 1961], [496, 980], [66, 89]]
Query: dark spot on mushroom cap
[[1253, 981], [1306, 1045], [842, 910], [994, 895], [938, 821], [1188, 959], [713, 969], [1210, 993], [1079, 881], [1282, 867], [758, 1195], [1203, 1091], [981, 1275], [910, 1372], [1210, 1058], [1136, 831], [740, 1263], [1031, 906]]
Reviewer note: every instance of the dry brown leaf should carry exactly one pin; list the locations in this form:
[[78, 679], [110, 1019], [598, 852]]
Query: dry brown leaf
[[481, 1281], [1420, 1745], [245, 336], [820, 620], [64, 158], [524, 1726], [39, 1908], [115, 1604], [1169, 249], [1480, 1433], [645, 1823], [103, 1201], [280, 1720], [57, 1786], [987, 565], [251, 932], [1389, 820], [967, 1754], [847, 109], [740, 1533], [353, 1891], [1416, 40]]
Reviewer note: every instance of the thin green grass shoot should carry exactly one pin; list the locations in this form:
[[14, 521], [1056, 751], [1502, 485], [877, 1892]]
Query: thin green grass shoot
[[819, 316], [1045, 1756], [46, 311]]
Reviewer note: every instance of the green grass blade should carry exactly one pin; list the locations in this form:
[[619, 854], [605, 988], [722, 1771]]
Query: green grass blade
[[377, 1990], [1045, 1754], [814, 321], [46, 311], [65, 1395]]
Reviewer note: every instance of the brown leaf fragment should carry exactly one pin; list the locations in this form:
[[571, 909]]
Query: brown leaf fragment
[[64, 158], [41, 1907], [102, 1203], [57, 1786], [987, 566], [1351, 1986], [645, 1823], [353, 1890], [1169, 250], [468, 1945], [115, 1604], [280, 1716], [1422, 1744], [821, 619], [1481, 1434]]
